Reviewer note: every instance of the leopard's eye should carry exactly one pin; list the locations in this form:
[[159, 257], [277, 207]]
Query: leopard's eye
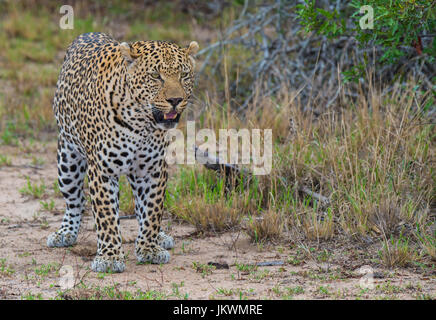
[[155, 75], [184, 75]]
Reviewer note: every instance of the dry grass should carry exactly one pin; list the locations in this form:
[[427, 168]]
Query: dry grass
[[318, 227], [374, 162], [217, 216], [268, 226], [427, 239], [397, 253]]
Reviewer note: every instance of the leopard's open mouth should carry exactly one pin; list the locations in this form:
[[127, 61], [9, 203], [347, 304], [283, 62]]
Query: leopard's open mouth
[[169, 117]]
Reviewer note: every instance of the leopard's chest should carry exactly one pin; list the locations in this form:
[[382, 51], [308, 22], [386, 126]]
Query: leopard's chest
[[140, 156], [150, 157]]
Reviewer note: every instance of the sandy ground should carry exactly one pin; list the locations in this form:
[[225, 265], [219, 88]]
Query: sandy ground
[[29, 269]]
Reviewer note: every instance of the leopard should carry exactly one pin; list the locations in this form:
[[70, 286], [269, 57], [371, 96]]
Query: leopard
[[114, 102]]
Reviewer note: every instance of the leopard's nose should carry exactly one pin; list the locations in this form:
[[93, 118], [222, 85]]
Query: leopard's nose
[[174, 101]]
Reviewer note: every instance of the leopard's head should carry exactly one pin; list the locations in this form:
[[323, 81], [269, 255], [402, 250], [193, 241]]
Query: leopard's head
[[160, 76]]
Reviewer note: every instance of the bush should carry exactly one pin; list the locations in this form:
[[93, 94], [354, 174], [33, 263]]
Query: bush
[[317, 49], [398, 27]]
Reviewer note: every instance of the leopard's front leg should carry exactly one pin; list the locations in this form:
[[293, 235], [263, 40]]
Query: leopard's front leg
[[104, 192], [149, 192]]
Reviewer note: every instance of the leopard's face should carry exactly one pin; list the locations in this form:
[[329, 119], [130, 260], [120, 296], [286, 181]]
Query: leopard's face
[[160, 77]]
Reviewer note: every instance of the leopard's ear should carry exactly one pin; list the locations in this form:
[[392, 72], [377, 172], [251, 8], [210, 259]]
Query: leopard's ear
[[192, 48], [191, 51], [128, 53]]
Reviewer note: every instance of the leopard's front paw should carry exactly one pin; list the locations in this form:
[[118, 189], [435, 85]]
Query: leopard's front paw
[[155, 255], [165, 241], [104, 264], [61, 238]]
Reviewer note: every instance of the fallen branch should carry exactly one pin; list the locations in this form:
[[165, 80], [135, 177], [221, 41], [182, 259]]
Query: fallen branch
[[315, 195], [233, 174], [269, 263], [213, 163]]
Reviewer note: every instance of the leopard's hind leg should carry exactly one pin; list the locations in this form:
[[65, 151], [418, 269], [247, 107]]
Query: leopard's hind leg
[[71, 173]]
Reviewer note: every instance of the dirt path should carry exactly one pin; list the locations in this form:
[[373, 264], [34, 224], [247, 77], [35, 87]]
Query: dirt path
[[29, 269]]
